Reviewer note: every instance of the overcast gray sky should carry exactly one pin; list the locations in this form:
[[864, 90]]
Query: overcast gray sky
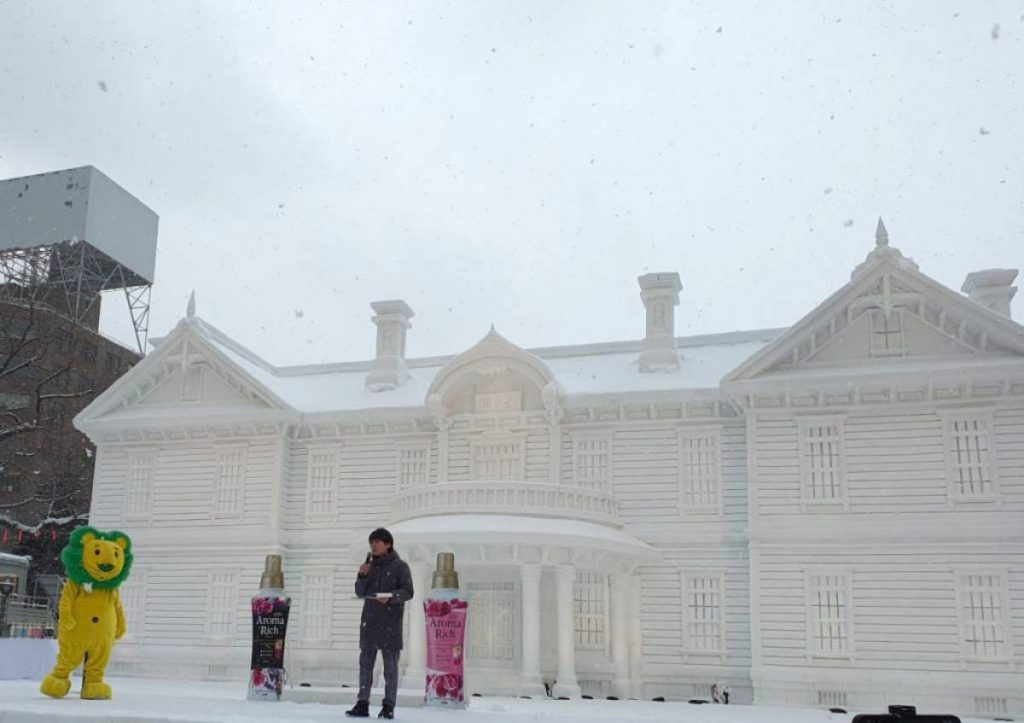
[[523, 162]]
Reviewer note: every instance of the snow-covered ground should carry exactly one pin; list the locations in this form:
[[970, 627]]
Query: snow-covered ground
[[151, 701]]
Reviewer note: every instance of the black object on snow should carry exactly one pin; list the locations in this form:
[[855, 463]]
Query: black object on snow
[[697, 701], [903, 714]]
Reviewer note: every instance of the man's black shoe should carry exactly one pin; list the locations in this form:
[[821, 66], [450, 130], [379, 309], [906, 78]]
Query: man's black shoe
[[386, 711], [360, 710]]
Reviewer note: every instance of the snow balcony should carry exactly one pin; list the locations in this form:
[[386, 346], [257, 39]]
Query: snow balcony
[[534, 499]]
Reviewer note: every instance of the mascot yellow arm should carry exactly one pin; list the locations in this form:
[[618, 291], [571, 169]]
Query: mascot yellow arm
[[122, 626], [67, 599]]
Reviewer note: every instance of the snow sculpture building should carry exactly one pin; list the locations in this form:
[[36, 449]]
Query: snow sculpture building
[[828, 514]]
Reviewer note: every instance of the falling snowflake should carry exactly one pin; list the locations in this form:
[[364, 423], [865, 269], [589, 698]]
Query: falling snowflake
[[102, 86]]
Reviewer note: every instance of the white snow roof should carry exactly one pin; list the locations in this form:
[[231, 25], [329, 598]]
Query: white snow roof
[[582, 370]]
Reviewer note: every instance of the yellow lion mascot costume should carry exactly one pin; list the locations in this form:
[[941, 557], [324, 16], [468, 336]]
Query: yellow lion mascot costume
[[91, 618]]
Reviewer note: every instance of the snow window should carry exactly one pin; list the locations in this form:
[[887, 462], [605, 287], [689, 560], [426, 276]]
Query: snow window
[[192, 384], [700, 474], [316, 605], [828, 614], [821, 460], [230, 481], [703, 612], [592, 462], [982, 616], [969, 457], [221, 604], [412, 466], [498, 460], [590, 595], [887, 333], [321, 495], [138, 498], [492, 626], [133, 600]]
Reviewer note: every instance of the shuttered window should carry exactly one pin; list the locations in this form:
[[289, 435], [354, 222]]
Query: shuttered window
[[828, 614], [969, 457], [222, 604], [498, 460], [315, 605], [592, 462], [133, 601], [412, 465], [699, 472], [983, 616], [703, 612], [321, 490], [822, 460], [138, 498], [590, 594], [229, 484]]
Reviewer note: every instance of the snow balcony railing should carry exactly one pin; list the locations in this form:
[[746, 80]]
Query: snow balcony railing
[[506, 498]]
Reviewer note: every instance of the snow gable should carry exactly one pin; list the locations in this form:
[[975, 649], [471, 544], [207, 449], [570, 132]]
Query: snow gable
[[185, 376], [888, 312]]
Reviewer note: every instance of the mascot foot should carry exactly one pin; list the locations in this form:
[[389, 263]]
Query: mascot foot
[[55, 687], [96, 691]]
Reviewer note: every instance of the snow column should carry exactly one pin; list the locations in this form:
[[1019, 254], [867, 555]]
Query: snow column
[[567, 684], [530, 679], [416, 646], [622, 615]]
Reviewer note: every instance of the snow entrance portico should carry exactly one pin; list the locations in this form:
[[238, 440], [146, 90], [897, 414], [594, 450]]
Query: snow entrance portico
[[829, 514]]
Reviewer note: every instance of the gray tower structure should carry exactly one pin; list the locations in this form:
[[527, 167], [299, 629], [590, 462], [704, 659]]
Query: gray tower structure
[[74, 234]]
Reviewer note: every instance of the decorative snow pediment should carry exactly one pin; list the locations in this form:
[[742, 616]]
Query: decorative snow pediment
[[493, 377], [185, 372], [889, 310]]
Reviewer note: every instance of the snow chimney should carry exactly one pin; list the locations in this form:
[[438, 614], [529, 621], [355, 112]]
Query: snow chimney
[[992, 289], [389, 370], [660, 294]]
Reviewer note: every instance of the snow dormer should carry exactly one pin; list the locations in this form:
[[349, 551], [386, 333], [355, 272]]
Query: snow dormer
[[388, 370], [992, 289], [660, 294], [493, 377]]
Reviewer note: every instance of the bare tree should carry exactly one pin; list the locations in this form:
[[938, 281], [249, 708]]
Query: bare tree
[[46, 363]]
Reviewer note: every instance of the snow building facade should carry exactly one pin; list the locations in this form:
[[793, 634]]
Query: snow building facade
[[830, 514]]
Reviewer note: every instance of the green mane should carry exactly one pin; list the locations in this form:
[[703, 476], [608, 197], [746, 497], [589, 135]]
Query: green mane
[[75, 570]]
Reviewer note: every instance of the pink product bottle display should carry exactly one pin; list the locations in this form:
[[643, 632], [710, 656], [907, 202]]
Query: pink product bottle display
[[270, 608], [445, 621]]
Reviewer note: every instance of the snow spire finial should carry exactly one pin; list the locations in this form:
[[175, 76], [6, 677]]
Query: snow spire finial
[[881, 235], [190, 311]]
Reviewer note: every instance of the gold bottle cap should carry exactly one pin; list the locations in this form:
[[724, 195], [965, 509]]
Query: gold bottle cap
[[272, 577], [445, 576]]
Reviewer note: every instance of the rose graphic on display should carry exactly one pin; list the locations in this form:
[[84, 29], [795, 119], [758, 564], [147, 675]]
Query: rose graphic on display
[[438, 608], [262, 606], [444, 686]]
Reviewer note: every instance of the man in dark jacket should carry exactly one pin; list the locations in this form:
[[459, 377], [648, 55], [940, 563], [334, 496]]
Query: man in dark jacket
[[385, 584]]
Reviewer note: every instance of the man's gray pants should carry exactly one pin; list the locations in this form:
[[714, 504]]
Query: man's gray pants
[[366, 660]]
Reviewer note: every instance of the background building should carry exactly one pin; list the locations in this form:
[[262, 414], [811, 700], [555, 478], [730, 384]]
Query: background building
[[65, 238], [828, 514]]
